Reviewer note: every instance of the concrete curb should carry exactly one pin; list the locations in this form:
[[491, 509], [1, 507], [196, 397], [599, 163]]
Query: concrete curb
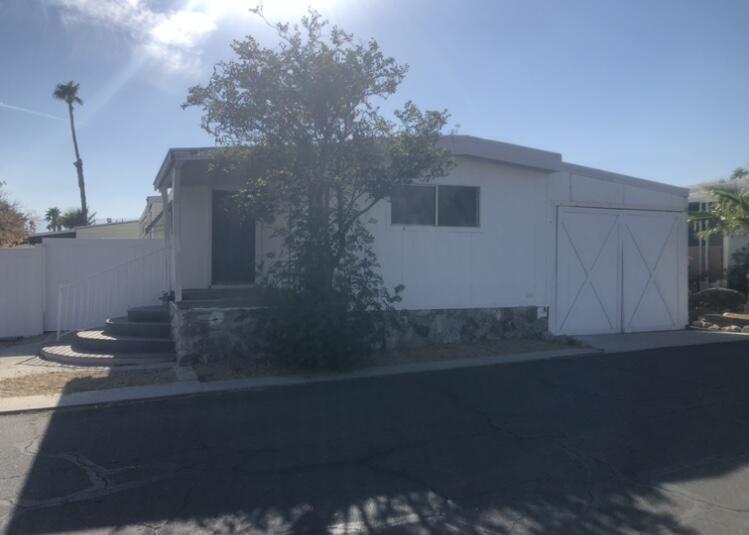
[[187, 383]]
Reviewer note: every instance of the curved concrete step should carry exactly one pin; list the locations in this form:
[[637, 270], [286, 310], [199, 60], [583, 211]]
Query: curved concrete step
[[65, 354], [149, 314], [96, 341], [141, 329]]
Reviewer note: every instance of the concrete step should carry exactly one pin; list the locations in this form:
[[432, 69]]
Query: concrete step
[[245, 296], [220, 293], [728, 318], [141, 329], [97, 341], [220, 303], [66, 354], [149, 314]]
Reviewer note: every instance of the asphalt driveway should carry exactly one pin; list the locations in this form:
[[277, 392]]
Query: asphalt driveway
[[654, 441]]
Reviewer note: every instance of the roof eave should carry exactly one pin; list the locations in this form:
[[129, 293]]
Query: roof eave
[[498, 151]]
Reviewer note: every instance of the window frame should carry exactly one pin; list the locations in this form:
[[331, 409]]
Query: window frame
[[436, 226]]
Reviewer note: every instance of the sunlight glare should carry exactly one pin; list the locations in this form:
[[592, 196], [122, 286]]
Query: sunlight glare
[[274, 10]]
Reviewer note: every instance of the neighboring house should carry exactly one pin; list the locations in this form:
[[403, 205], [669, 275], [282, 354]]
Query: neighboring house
[[37, 237], [151, 222], [123, 230], [512, 231], [709, 259]]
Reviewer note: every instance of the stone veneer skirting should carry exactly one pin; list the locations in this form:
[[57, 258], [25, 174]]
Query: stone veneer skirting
[[216, 333]]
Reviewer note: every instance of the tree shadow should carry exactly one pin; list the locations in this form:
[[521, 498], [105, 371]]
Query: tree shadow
[[642, 442]]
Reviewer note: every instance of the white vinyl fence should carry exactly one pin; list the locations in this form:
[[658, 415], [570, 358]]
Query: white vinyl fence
[[21, 291], [96, 279]]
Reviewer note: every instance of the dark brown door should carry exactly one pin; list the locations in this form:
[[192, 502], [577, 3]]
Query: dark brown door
[[233, 241]]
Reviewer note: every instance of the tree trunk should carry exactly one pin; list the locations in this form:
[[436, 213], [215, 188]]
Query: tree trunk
[[78, 165]]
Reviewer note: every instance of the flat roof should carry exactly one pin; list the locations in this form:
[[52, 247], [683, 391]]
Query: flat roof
[[126, 222], [473, 147]]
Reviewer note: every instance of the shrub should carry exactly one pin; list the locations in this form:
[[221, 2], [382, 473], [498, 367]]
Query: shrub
[[737, 273], [715, 300]]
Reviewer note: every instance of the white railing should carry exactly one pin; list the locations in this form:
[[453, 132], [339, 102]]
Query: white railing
[[87, 302]]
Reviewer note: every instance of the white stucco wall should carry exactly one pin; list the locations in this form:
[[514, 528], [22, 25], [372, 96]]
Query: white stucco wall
[[194, 252], [501, 263], [508, 261], [196, 237]]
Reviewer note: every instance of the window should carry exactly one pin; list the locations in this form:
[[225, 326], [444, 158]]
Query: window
[[444, 206], [413, 205], [458, 206]]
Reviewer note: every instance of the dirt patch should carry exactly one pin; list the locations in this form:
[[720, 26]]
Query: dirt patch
[[66, 382], [264, 367]]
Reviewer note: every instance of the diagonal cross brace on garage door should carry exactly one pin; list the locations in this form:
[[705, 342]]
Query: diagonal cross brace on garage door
[[618, 271], [588, 272]]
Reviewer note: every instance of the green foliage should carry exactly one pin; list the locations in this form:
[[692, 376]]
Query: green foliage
[[74, 217], [68, 93], [740, 173], [14, 223], [736, 275], [302, 123], [53, 217], [728, 213]]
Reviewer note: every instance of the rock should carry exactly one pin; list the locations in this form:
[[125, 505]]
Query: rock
[[745, 329], [731, 329], [713, 327]]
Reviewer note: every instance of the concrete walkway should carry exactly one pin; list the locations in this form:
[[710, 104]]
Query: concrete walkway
[[20, 358], [618, 343]]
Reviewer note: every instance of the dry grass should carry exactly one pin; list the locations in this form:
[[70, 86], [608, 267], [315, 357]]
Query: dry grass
[[264, 367], [66, 382]]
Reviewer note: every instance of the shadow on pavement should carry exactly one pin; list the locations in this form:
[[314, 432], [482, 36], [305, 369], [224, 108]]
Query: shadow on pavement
[[643, 442]]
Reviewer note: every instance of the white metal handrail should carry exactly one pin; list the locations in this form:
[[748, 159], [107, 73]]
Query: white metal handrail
[[88, 301]]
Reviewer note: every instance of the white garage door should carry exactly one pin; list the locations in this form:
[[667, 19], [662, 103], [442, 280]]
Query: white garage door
[[619, 271]]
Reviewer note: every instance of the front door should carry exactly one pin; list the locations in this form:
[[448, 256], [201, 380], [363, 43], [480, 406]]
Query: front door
[[233, 242]]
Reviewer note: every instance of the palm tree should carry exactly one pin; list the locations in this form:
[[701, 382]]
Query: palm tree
[[728, 213], [52, 217], [69, 93], [73, 218]]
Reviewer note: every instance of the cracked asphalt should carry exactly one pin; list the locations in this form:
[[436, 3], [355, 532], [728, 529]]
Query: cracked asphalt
[[647, 442]]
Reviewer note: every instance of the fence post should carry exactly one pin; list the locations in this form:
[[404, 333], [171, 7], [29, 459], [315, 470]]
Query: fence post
[[59, 310]]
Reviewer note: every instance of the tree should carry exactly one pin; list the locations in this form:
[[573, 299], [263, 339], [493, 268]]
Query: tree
[[303, 123], [728, 211], [53, 218], [740, 173], [74, 217], [14, 223], [69, 93]]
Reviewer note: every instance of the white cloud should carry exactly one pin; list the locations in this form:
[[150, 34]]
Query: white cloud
[[169, 37]]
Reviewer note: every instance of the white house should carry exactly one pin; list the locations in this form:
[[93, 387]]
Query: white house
[[510, 227], [151, 222]]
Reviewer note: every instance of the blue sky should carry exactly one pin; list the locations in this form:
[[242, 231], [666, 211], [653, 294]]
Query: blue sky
[[652, 89]]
